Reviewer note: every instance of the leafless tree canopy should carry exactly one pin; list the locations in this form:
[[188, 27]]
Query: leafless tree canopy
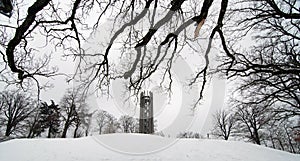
[[269, 69], [15, 109], [151, 34], [224, 124], [74, 110], [66, 27]]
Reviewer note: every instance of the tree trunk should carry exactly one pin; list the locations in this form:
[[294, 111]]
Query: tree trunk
[[76, 129], [290, 141], [256, 136], [31, 130], [64, 133], [100, 130], [66, 127], [280, 143], [8, 127], [30, 134], [86, 132], [49, 131], [273, 143], [226, 137], [8, 130]]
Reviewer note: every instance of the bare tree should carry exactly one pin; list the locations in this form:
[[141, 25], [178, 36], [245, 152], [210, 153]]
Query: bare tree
[[101, 118], [282, 136], [189, 134], [224, 124], [34, 123], [127, 123], [268, 69], [112, 124], [84, 122], [16, 108], [252, 120], [72, 104]]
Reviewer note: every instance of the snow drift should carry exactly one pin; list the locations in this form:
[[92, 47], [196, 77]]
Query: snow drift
[[122, 147]]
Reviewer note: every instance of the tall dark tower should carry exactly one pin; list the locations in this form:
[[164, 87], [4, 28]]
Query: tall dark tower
[[146, 113]]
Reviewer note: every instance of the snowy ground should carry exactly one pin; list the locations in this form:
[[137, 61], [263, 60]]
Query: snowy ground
[[137, 147]]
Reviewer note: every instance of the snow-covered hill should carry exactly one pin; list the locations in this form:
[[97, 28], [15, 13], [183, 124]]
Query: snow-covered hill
[[137, 147]]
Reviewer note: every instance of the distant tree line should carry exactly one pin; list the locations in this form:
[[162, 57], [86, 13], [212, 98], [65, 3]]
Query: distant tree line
[[23, 117], [189, 135], [261, 125]]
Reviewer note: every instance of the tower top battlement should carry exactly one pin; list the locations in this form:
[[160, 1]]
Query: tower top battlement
[[146, 93]]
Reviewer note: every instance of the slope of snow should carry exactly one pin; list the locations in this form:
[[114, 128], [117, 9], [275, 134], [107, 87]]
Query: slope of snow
[[137, 147]]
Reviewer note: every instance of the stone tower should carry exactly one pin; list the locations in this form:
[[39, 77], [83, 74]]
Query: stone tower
[[146, 113]]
